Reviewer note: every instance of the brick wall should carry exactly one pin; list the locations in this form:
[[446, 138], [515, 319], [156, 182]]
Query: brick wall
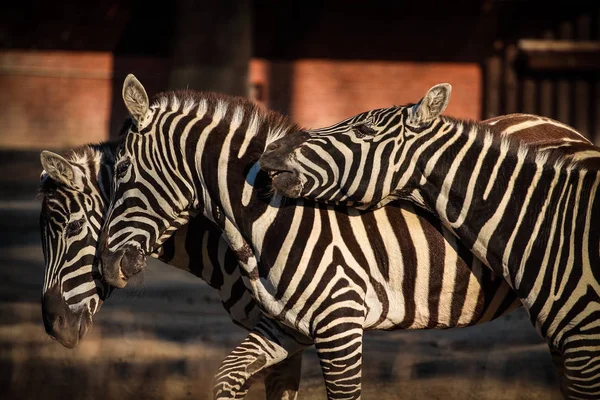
[[56, 100], [318, 93], [53, 99]]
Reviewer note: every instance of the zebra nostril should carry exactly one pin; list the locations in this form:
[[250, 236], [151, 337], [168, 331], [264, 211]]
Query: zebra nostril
[[60, 321]]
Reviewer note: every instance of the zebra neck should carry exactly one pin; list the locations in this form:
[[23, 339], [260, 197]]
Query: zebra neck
[[237, 198], [233, 192], [227, 181]]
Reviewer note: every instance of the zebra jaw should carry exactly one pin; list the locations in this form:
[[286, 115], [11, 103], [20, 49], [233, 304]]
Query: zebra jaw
[[276, 162]]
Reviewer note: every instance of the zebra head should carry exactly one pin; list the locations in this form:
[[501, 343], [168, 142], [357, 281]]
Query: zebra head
[[355, 161], [74, 193], [144, 213]]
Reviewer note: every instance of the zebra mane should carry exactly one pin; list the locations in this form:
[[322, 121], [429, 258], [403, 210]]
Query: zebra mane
[[531, 152], [190, 101]]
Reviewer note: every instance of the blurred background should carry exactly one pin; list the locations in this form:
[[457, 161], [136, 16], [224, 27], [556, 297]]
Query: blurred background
[[62, 64]]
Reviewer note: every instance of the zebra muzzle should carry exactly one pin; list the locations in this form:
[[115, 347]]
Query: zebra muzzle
[[118, 267], [276, 162], [287, 183], [283, 180], [62, 324]]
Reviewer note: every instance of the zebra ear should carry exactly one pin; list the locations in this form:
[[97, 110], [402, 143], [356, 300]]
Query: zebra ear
[[57, 168], [135, 98], [433, 104]]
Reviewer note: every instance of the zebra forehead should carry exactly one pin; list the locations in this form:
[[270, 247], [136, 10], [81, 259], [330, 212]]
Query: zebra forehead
[[374, 117]]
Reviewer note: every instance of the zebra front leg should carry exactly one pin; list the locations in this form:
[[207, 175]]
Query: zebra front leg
[[582, 367], [268, 344], [282, 380], [338, 341]]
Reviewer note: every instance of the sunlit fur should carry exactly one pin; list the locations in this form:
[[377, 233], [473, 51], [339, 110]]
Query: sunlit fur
[[323, 273], [527, 208]]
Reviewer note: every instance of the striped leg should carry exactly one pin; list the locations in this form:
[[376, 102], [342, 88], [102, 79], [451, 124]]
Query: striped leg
[[582, 368], [282, 380], [339, 346], [265, 346]]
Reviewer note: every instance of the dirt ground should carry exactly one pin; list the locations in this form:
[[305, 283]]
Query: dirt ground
[[164, 337]]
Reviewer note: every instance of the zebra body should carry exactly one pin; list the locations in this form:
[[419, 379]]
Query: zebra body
[[525, 210], [324, 272]]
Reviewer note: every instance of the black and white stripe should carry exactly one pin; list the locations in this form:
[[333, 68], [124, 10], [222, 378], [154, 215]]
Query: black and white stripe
[[323, 273], [72, 283], [74, 193], [525, 208]]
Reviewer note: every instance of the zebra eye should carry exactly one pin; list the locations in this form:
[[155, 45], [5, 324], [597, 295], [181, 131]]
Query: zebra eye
[[74, 227], [362, 130], [122, 168]]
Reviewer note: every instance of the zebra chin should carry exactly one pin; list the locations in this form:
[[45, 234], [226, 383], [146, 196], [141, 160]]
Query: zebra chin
[[117, 267]]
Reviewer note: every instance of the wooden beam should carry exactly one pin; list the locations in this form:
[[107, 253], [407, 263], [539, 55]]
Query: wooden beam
[[493, 80], [511, 82], [560, 54], [212, 46]]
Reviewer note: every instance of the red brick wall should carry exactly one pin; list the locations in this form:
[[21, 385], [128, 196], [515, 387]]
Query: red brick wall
[[322, 92], [64, 99], [54, 99]]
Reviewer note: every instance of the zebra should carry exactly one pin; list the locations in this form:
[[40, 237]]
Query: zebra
[[525, 210], [75, 192], [326, 273]]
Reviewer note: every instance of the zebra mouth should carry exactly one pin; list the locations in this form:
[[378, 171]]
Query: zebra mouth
[[85, 323], [274, 174], [121, 265], [287, 183]]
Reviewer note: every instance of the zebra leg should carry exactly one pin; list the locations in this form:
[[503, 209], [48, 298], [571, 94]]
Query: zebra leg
[[268, 344], [282, 380], [339, 347], [582, 367]]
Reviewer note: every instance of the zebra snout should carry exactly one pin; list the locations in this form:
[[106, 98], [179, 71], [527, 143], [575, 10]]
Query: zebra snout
[[132, 262], [280, 150], [117, 267], [61, 323]]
